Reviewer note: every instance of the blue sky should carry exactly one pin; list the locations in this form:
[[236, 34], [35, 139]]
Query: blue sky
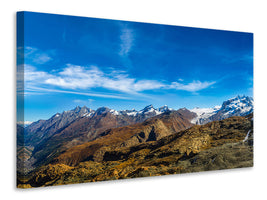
[[70, 61]]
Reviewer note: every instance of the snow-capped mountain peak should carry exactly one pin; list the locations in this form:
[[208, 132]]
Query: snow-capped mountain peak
[[241, 105], [164, 108], [102, 110], [74, 113], [148, 110], [237, 106], [114, 112], [151, 109]]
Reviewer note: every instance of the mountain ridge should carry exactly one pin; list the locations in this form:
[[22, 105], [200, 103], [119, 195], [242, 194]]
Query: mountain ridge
[[87, 112], [48, 138]]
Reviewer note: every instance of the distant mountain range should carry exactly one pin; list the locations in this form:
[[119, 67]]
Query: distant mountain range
[[82, 134], [71, 128], [96, 121], [238, 106]]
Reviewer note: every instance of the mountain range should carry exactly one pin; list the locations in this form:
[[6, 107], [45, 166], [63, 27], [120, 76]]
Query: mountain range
[[82, 134], [75, 127]]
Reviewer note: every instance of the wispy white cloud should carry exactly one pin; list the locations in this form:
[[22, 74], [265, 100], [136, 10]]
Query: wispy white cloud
[[70, 78], [35, 76], [193, 86], [33, 55], [127, 41], [28, 76], [76, 79], [90, 94], [79, 101], [240, 58], [148, 85]]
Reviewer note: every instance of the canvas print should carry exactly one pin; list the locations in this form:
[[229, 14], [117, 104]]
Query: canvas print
[[101, 100]]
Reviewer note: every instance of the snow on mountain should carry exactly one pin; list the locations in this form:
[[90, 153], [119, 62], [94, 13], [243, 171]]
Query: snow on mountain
[[114, 112], [237, 106], [164, 109], [148, 110], [151, 110], [203, 114], [101, 111], [132, 112], [75, 113]]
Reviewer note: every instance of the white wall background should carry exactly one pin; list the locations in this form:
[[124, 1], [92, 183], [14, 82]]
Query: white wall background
[[238, 15]]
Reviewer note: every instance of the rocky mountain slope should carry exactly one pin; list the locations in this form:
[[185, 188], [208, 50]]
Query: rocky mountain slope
[[71, 128], [43, 129], [215, 145], [150, 130]]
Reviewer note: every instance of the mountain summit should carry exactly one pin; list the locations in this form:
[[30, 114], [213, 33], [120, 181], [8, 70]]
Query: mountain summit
[[237, 106]]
